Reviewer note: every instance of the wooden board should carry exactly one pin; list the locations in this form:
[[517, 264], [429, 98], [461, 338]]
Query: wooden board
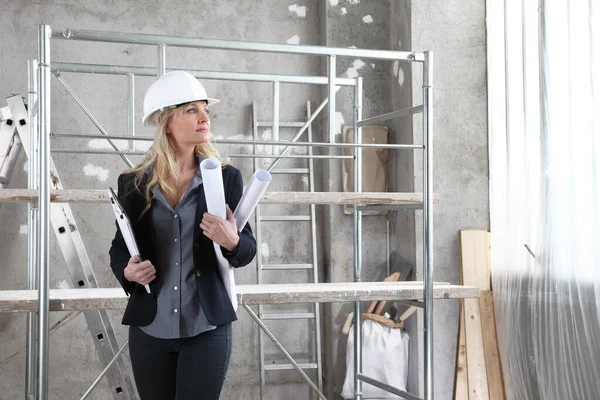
[[115, 298], [476, 368], [475, 248], [461, 385], [100, 196], [493, 365], [474, 269]]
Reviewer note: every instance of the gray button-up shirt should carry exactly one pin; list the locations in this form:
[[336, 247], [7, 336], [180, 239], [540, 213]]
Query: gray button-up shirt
[[179, 312]]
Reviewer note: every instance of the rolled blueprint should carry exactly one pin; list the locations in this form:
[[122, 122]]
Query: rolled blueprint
[[212, 179], [254, 190]]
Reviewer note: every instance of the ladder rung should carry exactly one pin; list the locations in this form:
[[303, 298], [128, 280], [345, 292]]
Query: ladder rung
[[285, 218], [284, 124], [290, 171], [279, 367], [287, 266], [289, 316]]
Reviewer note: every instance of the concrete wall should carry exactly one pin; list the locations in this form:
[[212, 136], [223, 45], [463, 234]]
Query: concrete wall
[[461, 181]]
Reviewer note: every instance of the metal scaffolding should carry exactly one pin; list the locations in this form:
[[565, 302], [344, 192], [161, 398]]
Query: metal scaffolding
[[39, 232]]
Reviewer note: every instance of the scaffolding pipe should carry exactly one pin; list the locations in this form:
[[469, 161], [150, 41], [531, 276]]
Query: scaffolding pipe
[[300, 132], [221, 75], [428, 221], [105, 370], [180, 41], [358, 93], [130, 109], [393, 115], [92, 118], [32, 255], [250, 142], [331, 74], [44, 207], [141, 153], [388, 388], [275, 110], [162, 60]]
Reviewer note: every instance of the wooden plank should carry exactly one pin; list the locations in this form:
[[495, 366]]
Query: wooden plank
[[476, 244], [473, 262], [100, 196], [115, 298], [490, 345], [461, 385], [476, 371]]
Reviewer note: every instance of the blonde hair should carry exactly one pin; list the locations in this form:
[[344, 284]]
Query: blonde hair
[[160, 159]]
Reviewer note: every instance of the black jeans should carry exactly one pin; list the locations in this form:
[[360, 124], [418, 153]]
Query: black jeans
[[180, 369]]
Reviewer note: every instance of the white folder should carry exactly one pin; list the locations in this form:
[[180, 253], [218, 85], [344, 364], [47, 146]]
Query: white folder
[[125, 227]]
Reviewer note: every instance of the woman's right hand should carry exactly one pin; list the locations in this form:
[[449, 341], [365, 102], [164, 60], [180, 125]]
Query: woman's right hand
[[140, 272]]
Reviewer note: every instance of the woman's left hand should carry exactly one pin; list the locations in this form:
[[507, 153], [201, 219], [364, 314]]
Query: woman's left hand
[[221, 231]]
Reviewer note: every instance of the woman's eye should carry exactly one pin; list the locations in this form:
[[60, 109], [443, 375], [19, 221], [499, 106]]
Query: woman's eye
[[206, 111], [191, 110]]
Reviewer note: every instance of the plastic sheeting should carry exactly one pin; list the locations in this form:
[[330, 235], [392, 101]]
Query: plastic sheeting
[[545, 199], [385, 358]]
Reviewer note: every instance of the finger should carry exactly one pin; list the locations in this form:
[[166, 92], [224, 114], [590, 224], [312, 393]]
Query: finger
[[229, 214], [134, 259], [204, 227], [209, 217]]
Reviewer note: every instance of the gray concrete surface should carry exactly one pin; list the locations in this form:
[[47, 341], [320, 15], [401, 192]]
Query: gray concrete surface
[[454, 31]]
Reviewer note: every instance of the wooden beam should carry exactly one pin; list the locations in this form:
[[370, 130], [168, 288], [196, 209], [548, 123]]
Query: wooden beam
[[493, 364], [461, 385], [473, 268], [115, 298], [100, 196]]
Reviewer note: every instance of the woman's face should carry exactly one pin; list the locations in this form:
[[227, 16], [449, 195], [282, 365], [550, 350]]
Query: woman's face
[[192, 126]]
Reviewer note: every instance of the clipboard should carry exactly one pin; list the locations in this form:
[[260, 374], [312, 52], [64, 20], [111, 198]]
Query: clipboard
[[125, 226]]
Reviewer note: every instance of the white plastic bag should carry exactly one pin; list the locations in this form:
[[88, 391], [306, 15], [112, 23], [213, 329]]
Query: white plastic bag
[[385, 358]]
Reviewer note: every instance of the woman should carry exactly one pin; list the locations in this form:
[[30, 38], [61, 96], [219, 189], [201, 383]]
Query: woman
[[180, 332]]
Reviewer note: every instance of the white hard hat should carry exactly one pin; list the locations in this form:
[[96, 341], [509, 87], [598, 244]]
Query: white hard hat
[[172, 89]]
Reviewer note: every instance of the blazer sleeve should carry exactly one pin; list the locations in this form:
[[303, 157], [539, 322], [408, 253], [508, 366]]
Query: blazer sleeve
[[246, 249], [119, 254]]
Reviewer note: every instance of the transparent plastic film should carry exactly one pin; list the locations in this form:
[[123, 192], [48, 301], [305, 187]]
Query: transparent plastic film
[[545, 200]]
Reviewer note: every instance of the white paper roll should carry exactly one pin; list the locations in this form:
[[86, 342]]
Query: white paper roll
[[254, 190], [212, 179]]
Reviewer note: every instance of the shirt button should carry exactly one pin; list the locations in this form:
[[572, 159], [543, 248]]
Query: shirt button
[[175, 310], [175, 216], [176, 263], [176, 240], [175, 288], [198, 273]]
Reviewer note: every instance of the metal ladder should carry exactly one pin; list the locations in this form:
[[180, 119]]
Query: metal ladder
[[79, 267], [315, 315]]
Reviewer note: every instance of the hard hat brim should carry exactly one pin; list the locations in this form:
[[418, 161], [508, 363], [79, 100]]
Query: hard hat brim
[[150, 119]]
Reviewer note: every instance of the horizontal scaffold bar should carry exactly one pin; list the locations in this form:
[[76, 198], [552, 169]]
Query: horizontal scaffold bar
[[101, 196], [245, 142], [115, 298], [181, 41], [105, 69]]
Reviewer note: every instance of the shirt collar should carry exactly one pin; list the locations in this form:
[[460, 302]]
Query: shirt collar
[[197, 181]]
